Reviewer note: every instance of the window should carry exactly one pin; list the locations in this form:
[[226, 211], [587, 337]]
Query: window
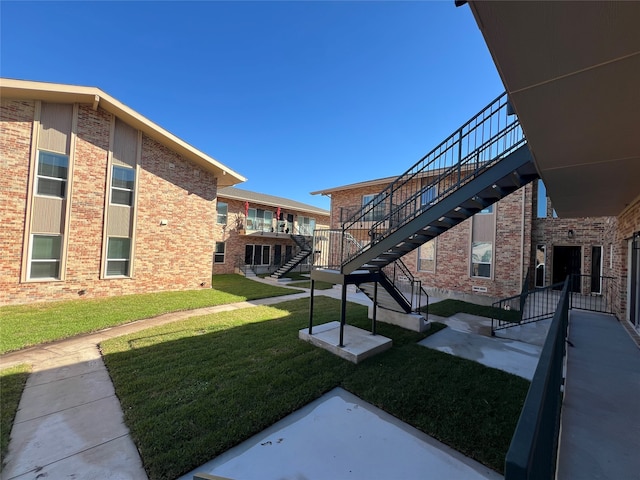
[[306, 225], [427, 256], [428, 196], [221, 210], [45, 256], [374, 213], [51, 179], [118, 256], [481, 259], [122, 182], [219, 255], [260, 220], [257, 254]]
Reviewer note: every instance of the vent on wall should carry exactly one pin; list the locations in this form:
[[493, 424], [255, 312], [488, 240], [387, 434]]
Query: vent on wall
[[479, 289]]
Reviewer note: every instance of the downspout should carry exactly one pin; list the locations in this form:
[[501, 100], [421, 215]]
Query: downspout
[[522, 238]]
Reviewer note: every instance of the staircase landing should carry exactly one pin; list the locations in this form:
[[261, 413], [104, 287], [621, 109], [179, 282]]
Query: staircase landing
[[359, 344]]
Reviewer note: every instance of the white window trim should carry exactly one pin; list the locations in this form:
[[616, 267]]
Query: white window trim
[[218, 214], [31, 260], [58, 179], [106, 265], [132, 190], [224, 254]]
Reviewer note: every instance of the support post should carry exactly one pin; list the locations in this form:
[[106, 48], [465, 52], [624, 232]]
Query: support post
[[343, 314], [375, 308], [313, 283]]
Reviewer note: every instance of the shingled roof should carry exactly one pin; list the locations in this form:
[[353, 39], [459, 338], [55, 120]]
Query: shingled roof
[[270, 200]]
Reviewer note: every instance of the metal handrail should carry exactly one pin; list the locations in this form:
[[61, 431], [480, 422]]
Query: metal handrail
[[416, 290], [534, 445], [477, 145], [539, 304]]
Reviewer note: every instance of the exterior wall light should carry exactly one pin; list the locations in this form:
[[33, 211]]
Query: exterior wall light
[[570, 233]]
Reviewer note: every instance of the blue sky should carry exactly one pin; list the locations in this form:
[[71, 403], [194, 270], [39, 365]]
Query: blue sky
[[295, 96]]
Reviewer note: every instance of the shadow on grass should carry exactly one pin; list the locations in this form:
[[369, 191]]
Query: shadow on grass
[[12, 382], [191, 391]]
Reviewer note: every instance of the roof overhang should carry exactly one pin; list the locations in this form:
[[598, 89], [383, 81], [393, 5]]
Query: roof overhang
[[572, 71], [62, 93]]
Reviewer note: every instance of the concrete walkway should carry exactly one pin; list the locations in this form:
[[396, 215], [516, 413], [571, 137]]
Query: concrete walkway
[[600, 435], [69, 422]]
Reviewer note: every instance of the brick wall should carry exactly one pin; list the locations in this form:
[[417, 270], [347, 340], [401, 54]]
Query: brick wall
[[16, 121], [177, 256], [628, 223], [236, 240]]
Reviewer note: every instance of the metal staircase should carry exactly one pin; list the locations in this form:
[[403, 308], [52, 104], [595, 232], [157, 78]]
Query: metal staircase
[[482, 162], [304, 251]]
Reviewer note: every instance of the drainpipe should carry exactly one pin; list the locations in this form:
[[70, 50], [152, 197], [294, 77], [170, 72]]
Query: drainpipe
[[522, 238]]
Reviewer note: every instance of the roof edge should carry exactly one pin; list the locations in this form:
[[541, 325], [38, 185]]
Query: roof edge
[[32, 90]]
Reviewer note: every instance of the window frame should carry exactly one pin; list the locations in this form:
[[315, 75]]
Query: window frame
[[132, 190], [490, 262], [220, 215], [39, 176], [217, 253], [32, 260], [109, 260], [432, 260]]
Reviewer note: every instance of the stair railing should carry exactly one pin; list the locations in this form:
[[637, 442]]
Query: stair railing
[[479, 144], [406, 284]]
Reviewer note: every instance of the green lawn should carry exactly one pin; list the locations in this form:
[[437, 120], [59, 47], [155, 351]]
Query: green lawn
[[12, 382], [448, 307], [27, 325], [193, 389]]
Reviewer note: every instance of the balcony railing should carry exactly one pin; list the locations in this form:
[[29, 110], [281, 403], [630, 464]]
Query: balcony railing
[[534, 446], [587, 292]]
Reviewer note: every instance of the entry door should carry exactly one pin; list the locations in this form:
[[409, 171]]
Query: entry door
[[567, 261], [288, 253], [277, 254]]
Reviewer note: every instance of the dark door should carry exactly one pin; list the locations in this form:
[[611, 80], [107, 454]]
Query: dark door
[[277, 254], [596, 269], [567, 261], [288, 253]]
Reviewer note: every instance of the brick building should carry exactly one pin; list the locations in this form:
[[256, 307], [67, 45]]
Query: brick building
[[98, 200], [488, 256], [258, 233]]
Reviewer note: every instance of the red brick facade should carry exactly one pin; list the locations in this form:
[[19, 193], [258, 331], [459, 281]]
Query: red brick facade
[[236, 237], [175, 256]]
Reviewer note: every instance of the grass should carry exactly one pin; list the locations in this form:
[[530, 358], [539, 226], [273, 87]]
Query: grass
[[12, 381], [27, 325], [449, 307], [193, 389]]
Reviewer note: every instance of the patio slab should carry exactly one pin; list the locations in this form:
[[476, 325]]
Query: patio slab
[[358, 344], [340, 436], [511, 356]]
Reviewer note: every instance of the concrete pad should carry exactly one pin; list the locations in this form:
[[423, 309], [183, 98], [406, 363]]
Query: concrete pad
[[410, 321], [63, 394], [358, 344], [44, 440], [510, 356], [339, 436], [112, 460], [534, 333]]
